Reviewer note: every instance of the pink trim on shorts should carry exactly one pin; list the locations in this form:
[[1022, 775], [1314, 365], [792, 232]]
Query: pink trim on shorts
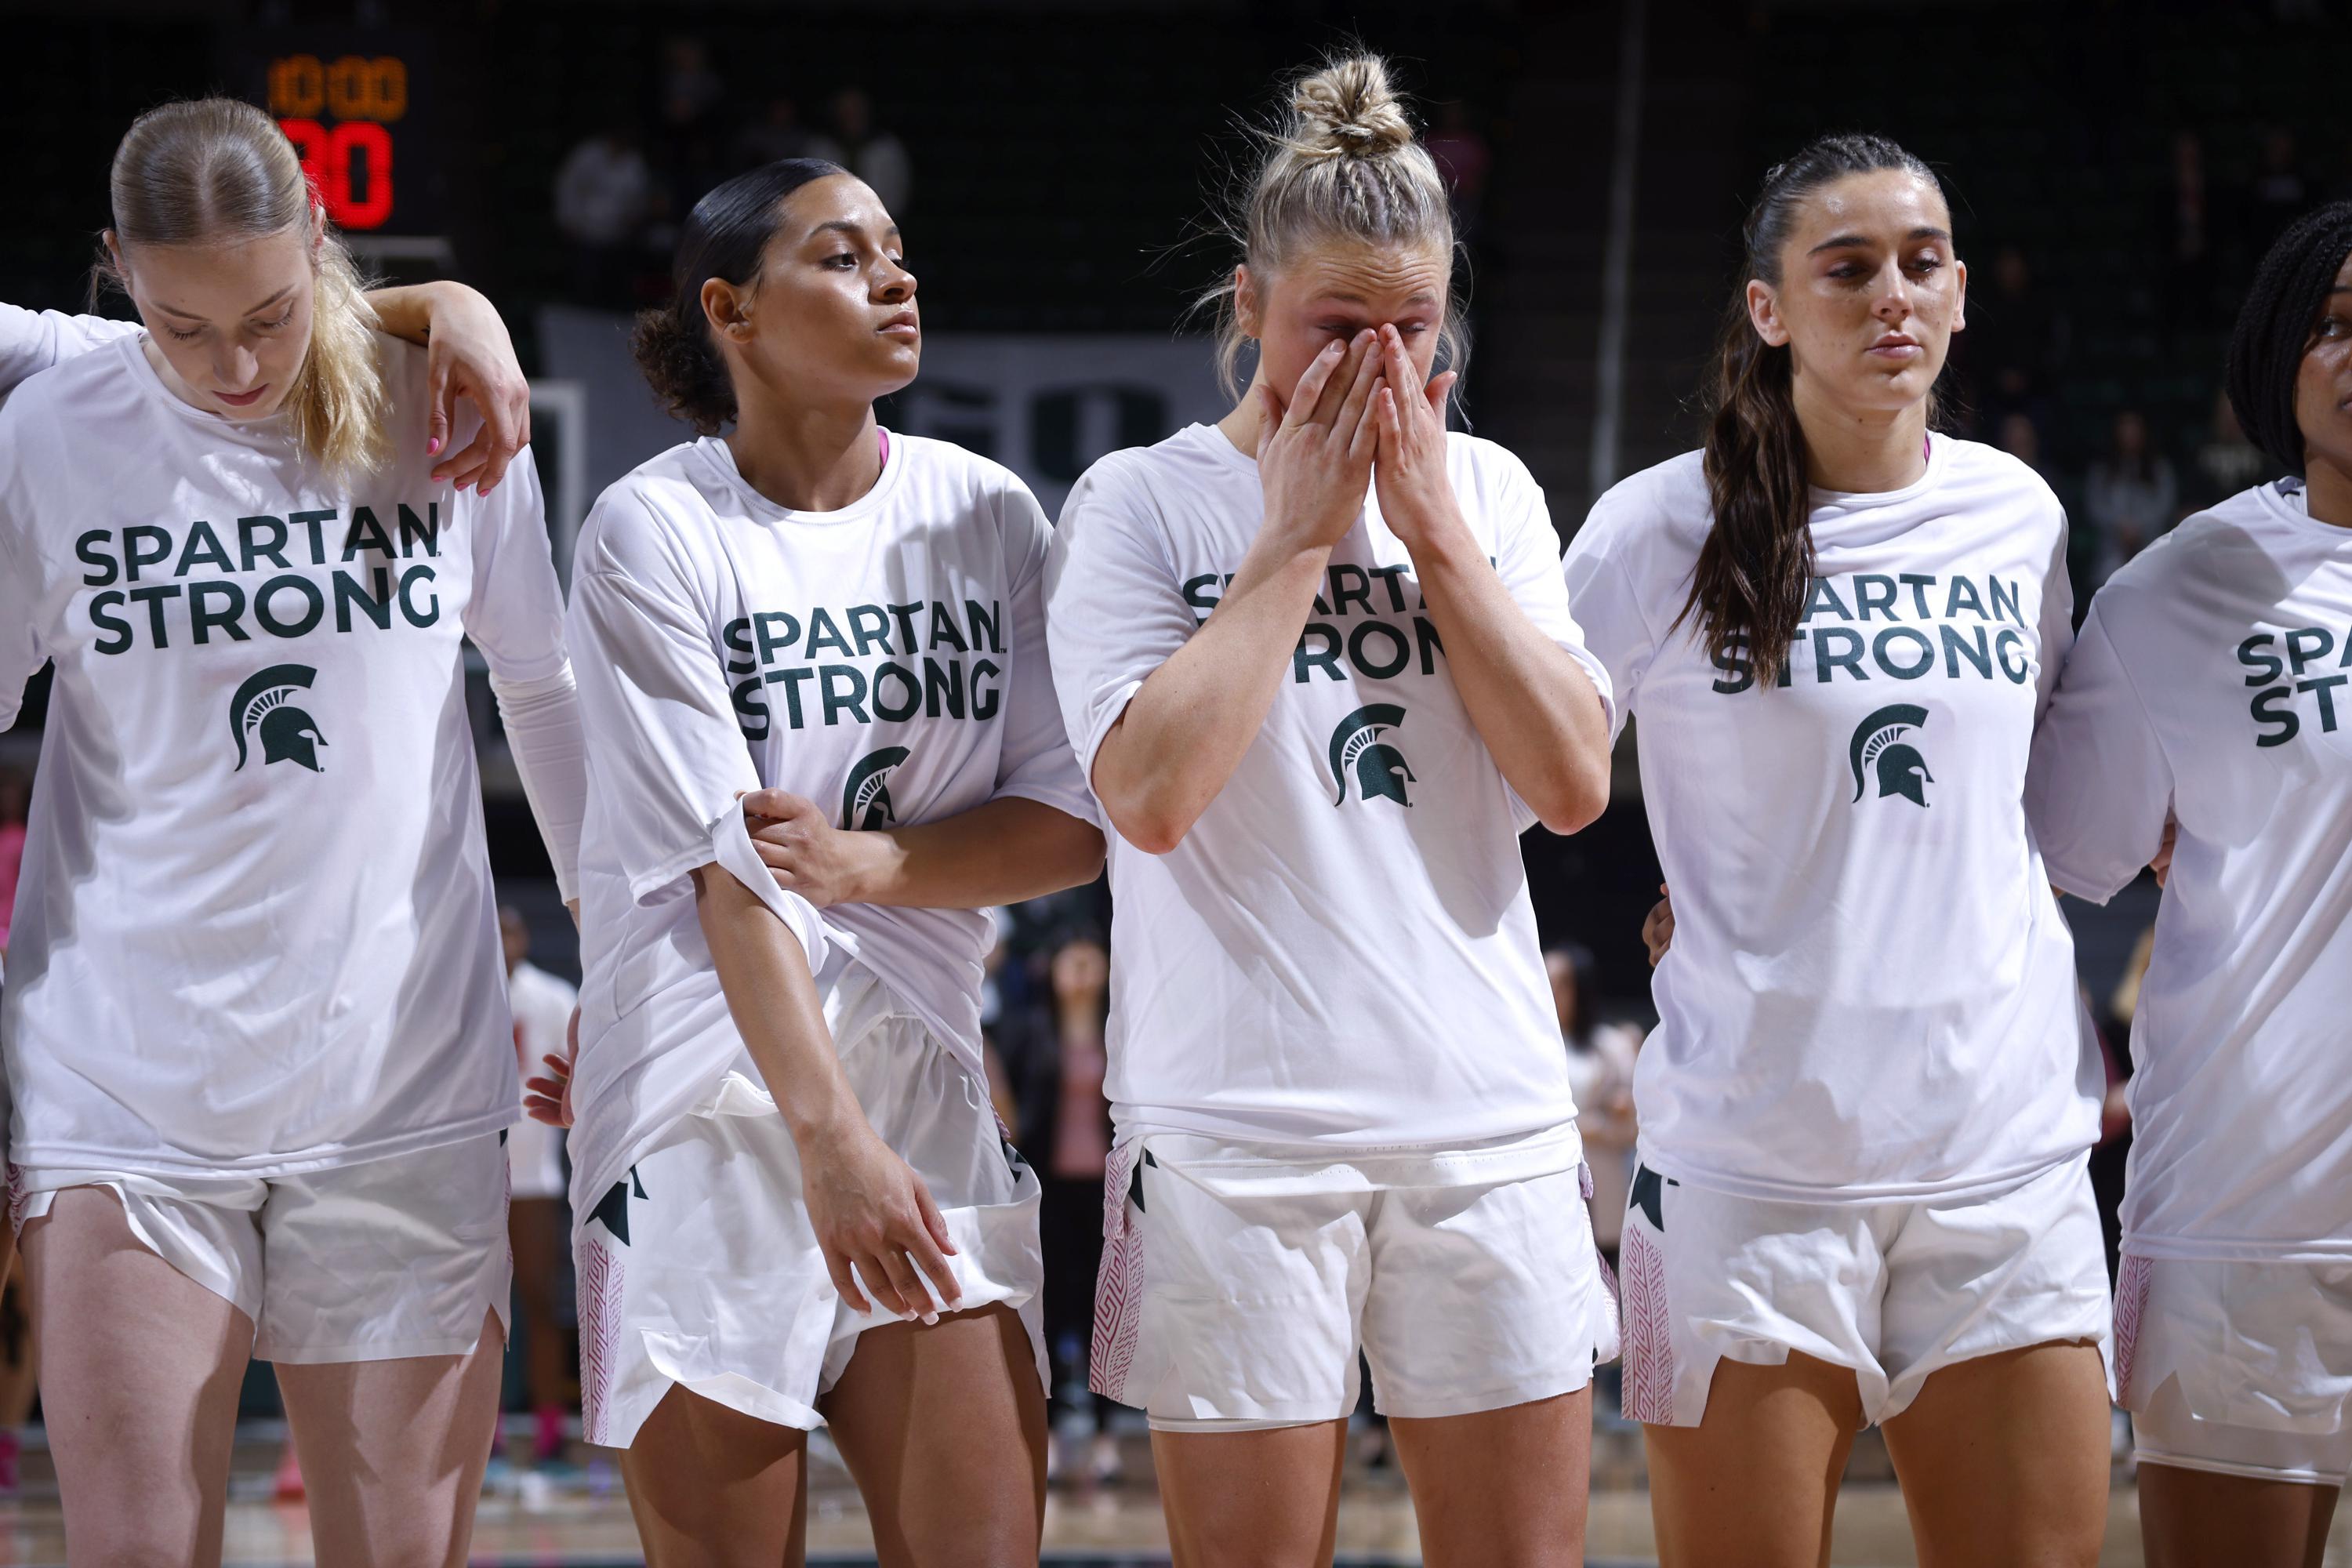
[[2131, 1305], [1118, 1286], [600, 1335], [1647, 1329]]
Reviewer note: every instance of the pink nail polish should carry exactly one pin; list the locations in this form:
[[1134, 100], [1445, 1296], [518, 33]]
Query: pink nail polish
[[433, 447]]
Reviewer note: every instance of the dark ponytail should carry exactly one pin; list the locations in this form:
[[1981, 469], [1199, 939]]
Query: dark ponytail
[[2273, 329], [1755, 572], [726, 235]]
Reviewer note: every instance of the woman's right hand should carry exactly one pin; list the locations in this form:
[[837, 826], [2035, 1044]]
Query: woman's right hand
[[1315, 455], [874, 1222], [1658, 930], [548, 1098]]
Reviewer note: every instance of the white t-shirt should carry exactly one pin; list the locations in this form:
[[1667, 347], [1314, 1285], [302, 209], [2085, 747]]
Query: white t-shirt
[[1341, 951], [33, 340], [542, 1019], [256, 930], [1871, 994], [886, 661], [2212, 683], [543, 1005]]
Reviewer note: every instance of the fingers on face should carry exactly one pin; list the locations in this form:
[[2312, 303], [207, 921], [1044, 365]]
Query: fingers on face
[[1306, 402], [1344, 398], [1361, 390]]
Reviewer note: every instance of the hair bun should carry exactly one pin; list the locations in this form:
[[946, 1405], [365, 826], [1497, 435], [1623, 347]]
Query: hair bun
[[1347, 109]]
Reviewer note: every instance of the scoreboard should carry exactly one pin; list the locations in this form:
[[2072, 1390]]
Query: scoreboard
[[355, 102]]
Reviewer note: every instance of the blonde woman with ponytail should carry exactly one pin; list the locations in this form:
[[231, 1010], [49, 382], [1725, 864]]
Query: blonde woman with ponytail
[[257, 1032], [1864, 1113], [1319, 663]]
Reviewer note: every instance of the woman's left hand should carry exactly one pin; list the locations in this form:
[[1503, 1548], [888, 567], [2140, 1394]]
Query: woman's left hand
[[805, 851], [468, 354], [1408, 475]]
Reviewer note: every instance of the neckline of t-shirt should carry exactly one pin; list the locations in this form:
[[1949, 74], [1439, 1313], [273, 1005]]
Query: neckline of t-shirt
[[150, 382], [1939, 449], [1223, 444], [2293, 507], [717, 452]]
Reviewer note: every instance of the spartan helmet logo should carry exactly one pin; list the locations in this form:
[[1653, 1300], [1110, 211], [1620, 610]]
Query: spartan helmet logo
[[865, 798], [265, 703], [1378, 768], [1878, 743]]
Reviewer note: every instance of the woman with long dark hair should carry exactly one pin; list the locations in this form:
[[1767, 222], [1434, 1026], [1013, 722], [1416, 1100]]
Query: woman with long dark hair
[[2201, 719], [1865, 1112], [794, 1204]]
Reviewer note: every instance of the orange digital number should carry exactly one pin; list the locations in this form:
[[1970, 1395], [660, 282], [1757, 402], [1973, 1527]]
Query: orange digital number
[[352, 88], [298, 87]]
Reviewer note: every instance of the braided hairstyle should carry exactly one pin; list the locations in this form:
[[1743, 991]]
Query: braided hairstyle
[[1756, 569], [726, 235], [1341, 163], [2273, 329]]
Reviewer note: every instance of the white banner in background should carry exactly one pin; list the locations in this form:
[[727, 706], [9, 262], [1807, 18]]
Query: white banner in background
[[1044, 404], [1048, 407]]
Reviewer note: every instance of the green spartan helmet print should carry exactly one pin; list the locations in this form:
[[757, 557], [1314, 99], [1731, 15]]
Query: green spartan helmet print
[[1379, 768], [265, 703], [865, 798], [1878, 745]]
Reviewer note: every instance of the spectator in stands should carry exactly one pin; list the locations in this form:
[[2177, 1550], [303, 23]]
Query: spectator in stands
[[2185, 227], [871, 154], [536, 1227], [2021, 437], [1600, 1068], [1056, 1052], [776, 135], [2227, 462], [692, 100], [1464, 158], [2278, 195], [2129, 496], [602, 193], [2016, 343], [16, 802]]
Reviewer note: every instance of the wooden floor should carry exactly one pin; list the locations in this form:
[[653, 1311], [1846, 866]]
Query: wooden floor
[[573, 1515]]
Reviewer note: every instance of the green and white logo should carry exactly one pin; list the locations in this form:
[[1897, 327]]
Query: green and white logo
[[865, 798], [265, 703], [1879, 748], [1378, 768]]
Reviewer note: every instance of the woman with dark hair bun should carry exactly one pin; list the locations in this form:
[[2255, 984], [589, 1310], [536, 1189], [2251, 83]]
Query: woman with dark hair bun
[[795, 1207], [2202, 720], [1865, 1111]]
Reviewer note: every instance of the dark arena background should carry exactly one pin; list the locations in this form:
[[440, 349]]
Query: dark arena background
[[2116, 172]]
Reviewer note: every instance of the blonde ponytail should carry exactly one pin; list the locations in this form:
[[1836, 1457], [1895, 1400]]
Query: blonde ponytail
[[217, 169]]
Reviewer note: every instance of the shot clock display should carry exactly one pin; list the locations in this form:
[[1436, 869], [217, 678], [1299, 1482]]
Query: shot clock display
[[340, 116], [355, 102]]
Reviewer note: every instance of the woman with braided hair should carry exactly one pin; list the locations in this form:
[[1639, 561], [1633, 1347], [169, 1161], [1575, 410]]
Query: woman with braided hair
[[2202, 720], [1319, 662], [1864, 1114]]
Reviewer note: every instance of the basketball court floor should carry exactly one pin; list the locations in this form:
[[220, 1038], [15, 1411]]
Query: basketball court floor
[[574, 1516]]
